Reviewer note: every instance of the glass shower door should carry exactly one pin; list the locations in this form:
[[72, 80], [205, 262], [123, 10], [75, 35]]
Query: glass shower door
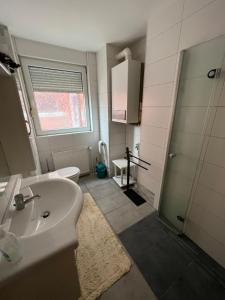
[[196, 96]]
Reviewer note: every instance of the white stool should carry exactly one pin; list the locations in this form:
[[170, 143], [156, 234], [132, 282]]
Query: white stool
[[121, 179]]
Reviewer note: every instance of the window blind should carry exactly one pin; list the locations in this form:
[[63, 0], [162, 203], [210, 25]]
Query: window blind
[[54, 80]]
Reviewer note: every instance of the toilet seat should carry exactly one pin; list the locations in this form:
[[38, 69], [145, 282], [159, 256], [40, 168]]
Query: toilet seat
[[68, 172]]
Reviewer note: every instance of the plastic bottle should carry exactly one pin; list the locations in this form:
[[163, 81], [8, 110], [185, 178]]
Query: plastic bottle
[[9, 247]]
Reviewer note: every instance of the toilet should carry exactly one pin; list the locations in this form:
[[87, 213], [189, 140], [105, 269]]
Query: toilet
[[72, 173]]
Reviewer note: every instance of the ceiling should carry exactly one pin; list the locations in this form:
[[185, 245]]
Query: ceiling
[[80, 24]]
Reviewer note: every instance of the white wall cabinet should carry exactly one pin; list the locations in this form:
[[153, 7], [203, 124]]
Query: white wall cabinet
[[13, 133], [126, 91]]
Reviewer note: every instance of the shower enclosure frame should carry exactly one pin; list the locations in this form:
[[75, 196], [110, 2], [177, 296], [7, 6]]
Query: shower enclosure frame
[[173, 110], [197, 171]]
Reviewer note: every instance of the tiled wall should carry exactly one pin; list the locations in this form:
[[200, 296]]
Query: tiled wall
[[181, 25], [133, 131], [103, 101], [117, 131], [206, 218], [116, 135], [48, 144], [113, 134]]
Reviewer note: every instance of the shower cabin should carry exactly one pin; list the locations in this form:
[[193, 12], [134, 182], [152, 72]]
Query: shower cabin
[[192, 197]]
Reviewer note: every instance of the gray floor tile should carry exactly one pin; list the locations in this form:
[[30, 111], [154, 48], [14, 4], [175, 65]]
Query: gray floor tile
[[118, 208], [122, 217], [144, 210], [111, 202], [132, 286], [92, 181], [127, 215], [102, 191]]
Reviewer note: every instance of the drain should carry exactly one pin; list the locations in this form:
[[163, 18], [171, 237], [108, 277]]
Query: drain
[[45, 214]]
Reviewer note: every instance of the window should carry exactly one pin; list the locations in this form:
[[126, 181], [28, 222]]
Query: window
[[58, 96]]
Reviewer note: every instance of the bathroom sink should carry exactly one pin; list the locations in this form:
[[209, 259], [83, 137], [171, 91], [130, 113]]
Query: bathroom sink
[[59, 199], [46, 225]]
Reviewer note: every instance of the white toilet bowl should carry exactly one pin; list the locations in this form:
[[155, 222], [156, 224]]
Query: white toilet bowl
[[72, 173]]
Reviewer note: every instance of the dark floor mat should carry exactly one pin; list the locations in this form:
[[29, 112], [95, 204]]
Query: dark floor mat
[[172, 270], [134, 197]]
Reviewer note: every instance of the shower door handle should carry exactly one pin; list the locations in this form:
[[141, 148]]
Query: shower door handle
[[172, 155]]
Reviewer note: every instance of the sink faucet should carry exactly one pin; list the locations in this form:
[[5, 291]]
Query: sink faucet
[[20, 202]]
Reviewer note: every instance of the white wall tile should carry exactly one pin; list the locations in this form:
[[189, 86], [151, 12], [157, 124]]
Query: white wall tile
[[212, 224], [158, 95], [117, 127], [117, 138], [150, 183], [205, 24], [195, 92], [42, 144], [155, 156], [215, 153], [210, 200], [164, 19], [160, 72], [60, 142], [213, 177], [117, 151], [190, 119], [211, 118], [152, 153], [133, 137], [156, 116], [218, 129], [221, 101], [210, 245], [164, 45], [155, 135]]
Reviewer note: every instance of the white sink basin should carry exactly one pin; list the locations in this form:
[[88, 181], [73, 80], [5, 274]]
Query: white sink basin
[[60, 199]]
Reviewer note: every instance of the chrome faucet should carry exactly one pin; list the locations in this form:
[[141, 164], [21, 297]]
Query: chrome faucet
[[20, 202]]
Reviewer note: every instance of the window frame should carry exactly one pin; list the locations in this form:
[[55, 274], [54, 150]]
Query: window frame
[[26, 62]]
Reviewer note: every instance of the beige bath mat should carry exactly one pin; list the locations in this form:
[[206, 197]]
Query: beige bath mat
[[101, 259]]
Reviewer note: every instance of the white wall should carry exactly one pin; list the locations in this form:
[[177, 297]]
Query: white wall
[[48, 144], [181, 25]]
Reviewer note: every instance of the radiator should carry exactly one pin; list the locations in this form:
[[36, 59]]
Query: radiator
[[77, 157]]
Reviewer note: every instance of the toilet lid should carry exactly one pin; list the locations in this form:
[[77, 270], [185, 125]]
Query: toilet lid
[[68, 172]]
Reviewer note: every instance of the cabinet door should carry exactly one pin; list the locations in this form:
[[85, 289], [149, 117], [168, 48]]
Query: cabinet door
[[119, 92], [13, 133]]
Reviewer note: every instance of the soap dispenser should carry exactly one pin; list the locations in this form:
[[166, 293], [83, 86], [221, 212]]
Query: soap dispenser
[[9, 246]]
